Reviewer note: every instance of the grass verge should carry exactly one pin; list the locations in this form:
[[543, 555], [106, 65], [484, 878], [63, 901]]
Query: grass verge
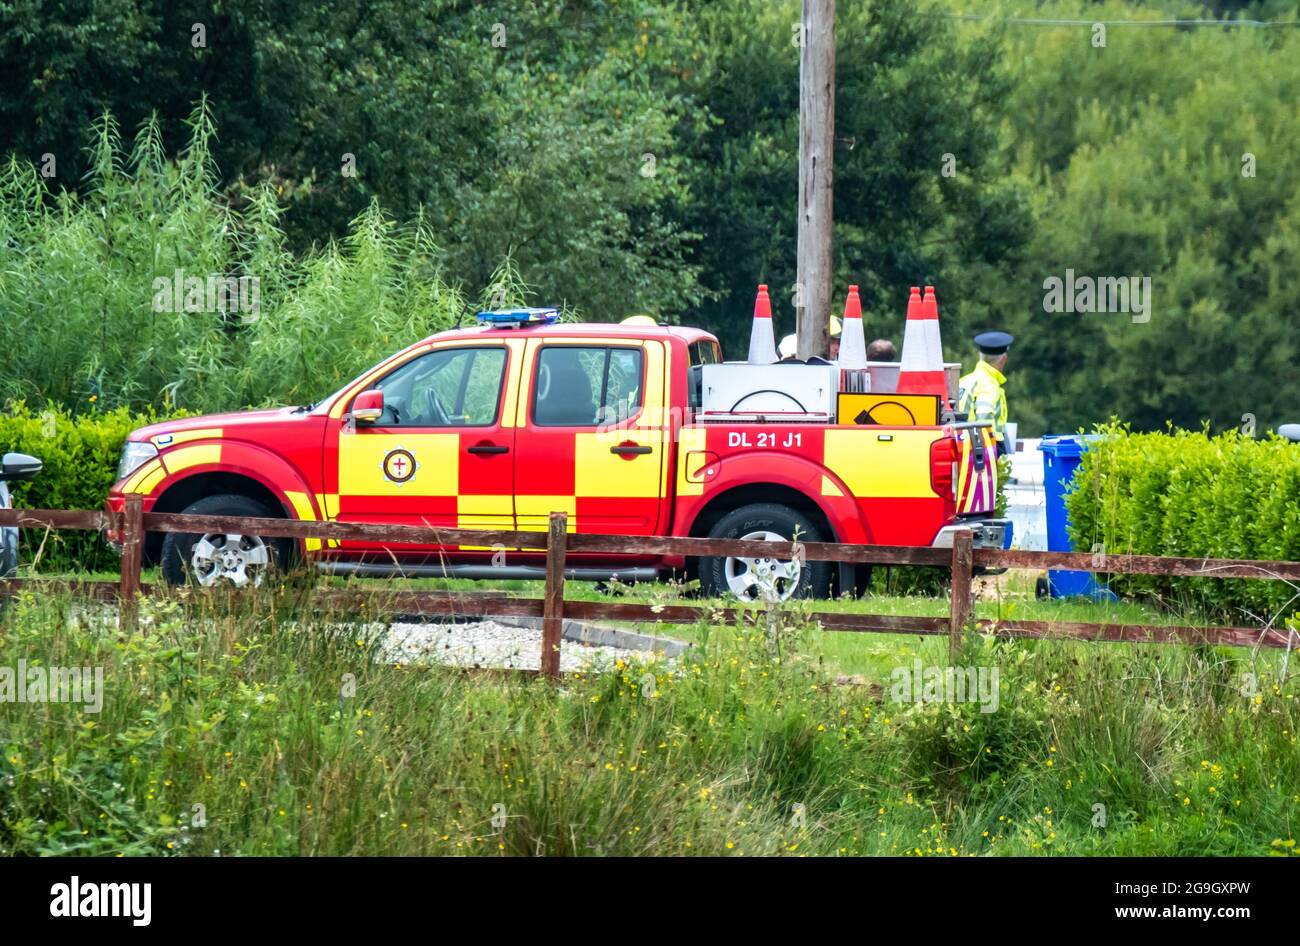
[[244, 725]]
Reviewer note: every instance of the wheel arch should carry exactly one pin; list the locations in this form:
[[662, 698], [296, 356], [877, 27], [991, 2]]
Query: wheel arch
[[186, 490], [748, 493]]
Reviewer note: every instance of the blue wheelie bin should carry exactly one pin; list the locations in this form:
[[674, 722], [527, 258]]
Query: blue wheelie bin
[[1061, 457]]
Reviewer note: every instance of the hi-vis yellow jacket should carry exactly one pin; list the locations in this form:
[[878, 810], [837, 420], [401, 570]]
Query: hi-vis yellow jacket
[[981, 397]]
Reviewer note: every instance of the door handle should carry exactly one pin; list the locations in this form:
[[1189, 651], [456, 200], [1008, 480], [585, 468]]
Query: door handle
[[488, 448], [631, 449]]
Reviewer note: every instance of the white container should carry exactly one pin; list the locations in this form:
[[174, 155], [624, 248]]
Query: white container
[[884, 377], [785, 390], [1026, 497]]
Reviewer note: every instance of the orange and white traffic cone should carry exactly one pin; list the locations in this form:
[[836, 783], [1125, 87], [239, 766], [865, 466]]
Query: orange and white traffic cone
[[853, 343], [762, 340], [921, 371]]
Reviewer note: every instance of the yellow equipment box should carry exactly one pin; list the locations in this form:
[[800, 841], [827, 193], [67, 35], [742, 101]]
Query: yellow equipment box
[[889, 410]]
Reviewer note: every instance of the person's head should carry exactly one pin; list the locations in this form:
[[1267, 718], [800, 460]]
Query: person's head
[[995, 361], [833, 332], [882, 349], [993, 348]]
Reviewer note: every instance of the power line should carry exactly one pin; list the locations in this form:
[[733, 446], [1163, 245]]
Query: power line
[[1043, 21]]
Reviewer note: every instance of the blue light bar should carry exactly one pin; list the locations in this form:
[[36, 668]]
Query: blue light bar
[[519, 317]]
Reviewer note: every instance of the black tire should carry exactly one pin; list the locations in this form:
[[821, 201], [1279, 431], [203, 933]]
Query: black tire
[[178, 547], [851, 580], [814, 578]]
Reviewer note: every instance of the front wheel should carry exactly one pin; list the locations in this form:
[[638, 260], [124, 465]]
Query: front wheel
[[217, 558], [765, 578]]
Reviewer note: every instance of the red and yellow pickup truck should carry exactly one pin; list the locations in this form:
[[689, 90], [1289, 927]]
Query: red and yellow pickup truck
[[495, 427]]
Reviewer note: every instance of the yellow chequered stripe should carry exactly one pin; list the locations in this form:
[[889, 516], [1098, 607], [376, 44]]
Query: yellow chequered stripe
[[182, 458], [597, 472], [144, 479], [525, 374], [689, 439], [484, 512], [653, 401], [361, 462], [301, 504], [329, 505], [882, 468], [510, 403], [534, 512]]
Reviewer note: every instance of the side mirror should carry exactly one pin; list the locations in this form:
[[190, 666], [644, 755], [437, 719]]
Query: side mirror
[[368, 406], [19, 466]]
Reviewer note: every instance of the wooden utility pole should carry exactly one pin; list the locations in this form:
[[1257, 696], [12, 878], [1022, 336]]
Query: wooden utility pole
[[816, 154]]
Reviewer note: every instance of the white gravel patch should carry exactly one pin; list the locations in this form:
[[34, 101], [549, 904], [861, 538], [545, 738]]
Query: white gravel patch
[[490, 644]]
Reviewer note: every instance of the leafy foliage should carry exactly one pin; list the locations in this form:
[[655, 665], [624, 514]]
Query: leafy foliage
[[909, 94], [80, 455], [1186, 493], [79, 290], [641, 156], [1168, 154]]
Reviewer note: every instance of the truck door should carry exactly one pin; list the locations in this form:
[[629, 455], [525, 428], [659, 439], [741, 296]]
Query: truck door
[[591, 438], [440, 454]]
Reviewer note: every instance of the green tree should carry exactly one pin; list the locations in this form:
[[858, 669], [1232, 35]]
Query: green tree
[[1167, 154], [919, 196]]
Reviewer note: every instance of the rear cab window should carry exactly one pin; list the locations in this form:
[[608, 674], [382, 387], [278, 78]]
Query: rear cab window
[[704, 352], [587, 385]]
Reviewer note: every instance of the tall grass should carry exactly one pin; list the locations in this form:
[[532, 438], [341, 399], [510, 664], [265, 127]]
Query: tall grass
[[291, 736], [78, 326]]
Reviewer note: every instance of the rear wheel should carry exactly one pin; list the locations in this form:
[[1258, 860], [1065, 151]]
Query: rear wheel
[[764, 578], [852, 581], [216, 558]]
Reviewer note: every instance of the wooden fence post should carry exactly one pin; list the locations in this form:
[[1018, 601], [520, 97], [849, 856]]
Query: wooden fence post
[[959, 616], [553, 607], [132, 556]]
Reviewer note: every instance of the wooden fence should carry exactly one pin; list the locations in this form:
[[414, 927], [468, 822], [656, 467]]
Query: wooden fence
[[557, 543]]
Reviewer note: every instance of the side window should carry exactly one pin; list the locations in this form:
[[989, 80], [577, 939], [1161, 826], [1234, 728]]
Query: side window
[[703, 352], [451, 387], [586, 387]]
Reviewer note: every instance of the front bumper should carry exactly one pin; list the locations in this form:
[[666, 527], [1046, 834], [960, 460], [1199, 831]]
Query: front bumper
[[986, 533]]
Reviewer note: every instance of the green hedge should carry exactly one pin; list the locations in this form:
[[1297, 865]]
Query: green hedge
[[1189, 494], [80, 455]]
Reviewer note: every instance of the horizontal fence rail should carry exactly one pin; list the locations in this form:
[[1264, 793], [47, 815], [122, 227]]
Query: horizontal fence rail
[[557, 543]]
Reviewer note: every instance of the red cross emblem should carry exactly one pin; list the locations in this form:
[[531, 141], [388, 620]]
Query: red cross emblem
[[399, 465]]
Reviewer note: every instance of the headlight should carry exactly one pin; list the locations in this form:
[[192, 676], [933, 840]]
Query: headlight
[[134, 454]]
